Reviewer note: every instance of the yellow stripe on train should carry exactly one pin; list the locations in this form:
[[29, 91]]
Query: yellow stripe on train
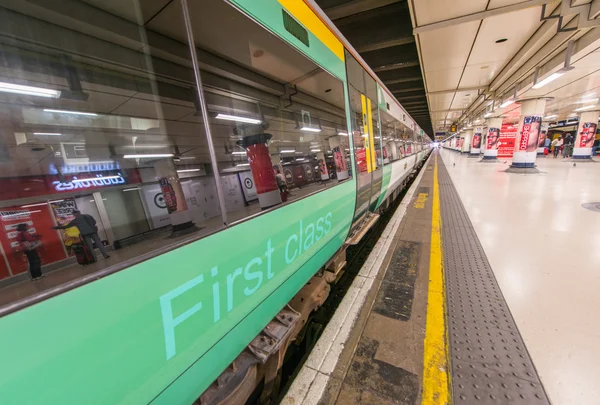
[[311, 21]]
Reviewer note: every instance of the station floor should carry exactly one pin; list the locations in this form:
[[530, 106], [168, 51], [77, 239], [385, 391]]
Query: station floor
[[495, 305]]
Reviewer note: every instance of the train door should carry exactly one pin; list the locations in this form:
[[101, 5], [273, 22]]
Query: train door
[[366, 137]]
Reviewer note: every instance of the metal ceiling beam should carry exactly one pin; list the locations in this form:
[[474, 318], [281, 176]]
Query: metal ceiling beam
[[450, 110], [385, 44], [408, 90], [409, 98], [414, 103], [476, 88], [406, 80], [479, 16], [356, 7], [396, 66]]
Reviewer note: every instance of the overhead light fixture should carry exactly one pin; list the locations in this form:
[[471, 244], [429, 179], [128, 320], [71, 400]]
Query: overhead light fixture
[[47, 133], [487, 115], [148, 156], [588, 100], [342, 133], [28, 90], [309, 129], [95, 178], [187, 170], [186, 157], [39, 204], [239, 152], [299, 159], [243, 164], [506, 103], [130, 189], [549, 117], [51, 110], [548, 79], [287, 151], [315, 150], [237, 118], [587, 107]]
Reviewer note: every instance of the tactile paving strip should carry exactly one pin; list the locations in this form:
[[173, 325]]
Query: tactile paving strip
[[490, 364]]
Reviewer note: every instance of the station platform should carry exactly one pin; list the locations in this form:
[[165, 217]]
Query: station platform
[[480, 290]]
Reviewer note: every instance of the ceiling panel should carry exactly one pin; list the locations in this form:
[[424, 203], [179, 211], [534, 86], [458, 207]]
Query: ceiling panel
[[481, 74], [440, 80], [430, 11], [131, 10], [447, 47], [522, 23], [149, 109], [439, 102], [463, 99]]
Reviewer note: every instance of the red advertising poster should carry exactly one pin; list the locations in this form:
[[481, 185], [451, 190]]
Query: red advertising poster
[[527, 137], [63, 213], [493, 138], [476, 141], [39, 221], [361, 160], [585, 138], [506, 145]]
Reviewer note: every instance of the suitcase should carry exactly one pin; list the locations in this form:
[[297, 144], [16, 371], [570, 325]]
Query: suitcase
[[546, 151], [83, 253]]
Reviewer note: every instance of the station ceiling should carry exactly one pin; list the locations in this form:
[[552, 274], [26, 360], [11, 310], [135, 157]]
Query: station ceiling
[[381, 31], [478, 54]]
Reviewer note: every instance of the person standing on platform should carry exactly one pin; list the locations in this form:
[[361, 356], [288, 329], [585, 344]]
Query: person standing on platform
[[547, 143], [30, 243], [595, 147], [568, 146], [88, 230], [556, 144]]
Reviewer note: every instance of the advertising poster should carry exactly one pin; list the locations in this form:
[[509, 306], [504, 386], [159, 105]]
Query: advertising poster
[[543, 136], [63, 213], [232, 192], [506, 145], [529, 132], [361, 160], [248, 187], [586, 135], [156, 206], [39, 221], [476, 141], [493, 139]]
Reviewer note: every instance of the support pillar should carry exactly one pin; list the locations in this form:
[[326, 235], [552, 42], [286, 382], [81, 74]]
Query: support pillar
[[586, 132], [528, 133], [173, 196], [261, 166], [466, 144], [476, 142], [493, 139]]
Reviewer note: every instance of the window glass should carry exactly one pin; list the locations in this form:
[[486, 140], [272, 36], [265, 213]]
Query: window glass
[[101, 116], [277, 120]]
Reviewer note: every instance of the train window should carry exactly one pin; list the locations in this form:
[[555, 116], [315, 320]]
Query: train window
[[100, 136], [277, 120]]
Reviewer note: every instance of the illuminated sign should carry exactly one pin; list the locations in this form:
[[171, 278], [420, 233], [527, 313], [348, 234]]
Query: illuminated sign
[[91, 182]]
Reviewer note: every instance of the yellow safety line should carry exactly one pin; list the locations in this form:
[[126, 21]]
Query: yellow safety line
[[435, 358]]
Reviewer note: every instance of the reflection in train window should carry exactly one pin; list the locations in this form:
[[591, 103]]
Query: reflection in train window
[[277, 120]]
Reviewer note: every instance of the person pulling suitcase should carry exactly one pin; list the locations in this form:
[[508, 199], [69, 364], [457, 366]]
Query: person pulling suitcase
[[89, 232]]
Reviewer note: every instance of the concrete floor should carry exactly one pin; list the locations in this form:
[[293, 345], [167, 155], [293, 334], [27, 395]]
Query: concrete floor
[[544, 250]]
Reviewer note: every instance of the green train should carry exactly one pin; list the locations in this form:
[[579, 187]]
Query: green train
[[228, 151]]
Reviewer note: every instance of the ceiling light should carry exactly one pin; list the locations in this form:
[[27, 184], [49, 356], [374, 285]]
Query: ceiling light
[[186, 157], [588, 100], [547, 80], [38, 204], [309, 129], [239, 152], [549, 117], [506, 103], [587, 107], [315, 150], [148, 155], [187, 170], [237, 118], [47, 133], [243, 164], [342, 133], [70, 112], [28, 90], [130, 189], [287, 151], [299, 159], [95, 178], [488, 115]]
